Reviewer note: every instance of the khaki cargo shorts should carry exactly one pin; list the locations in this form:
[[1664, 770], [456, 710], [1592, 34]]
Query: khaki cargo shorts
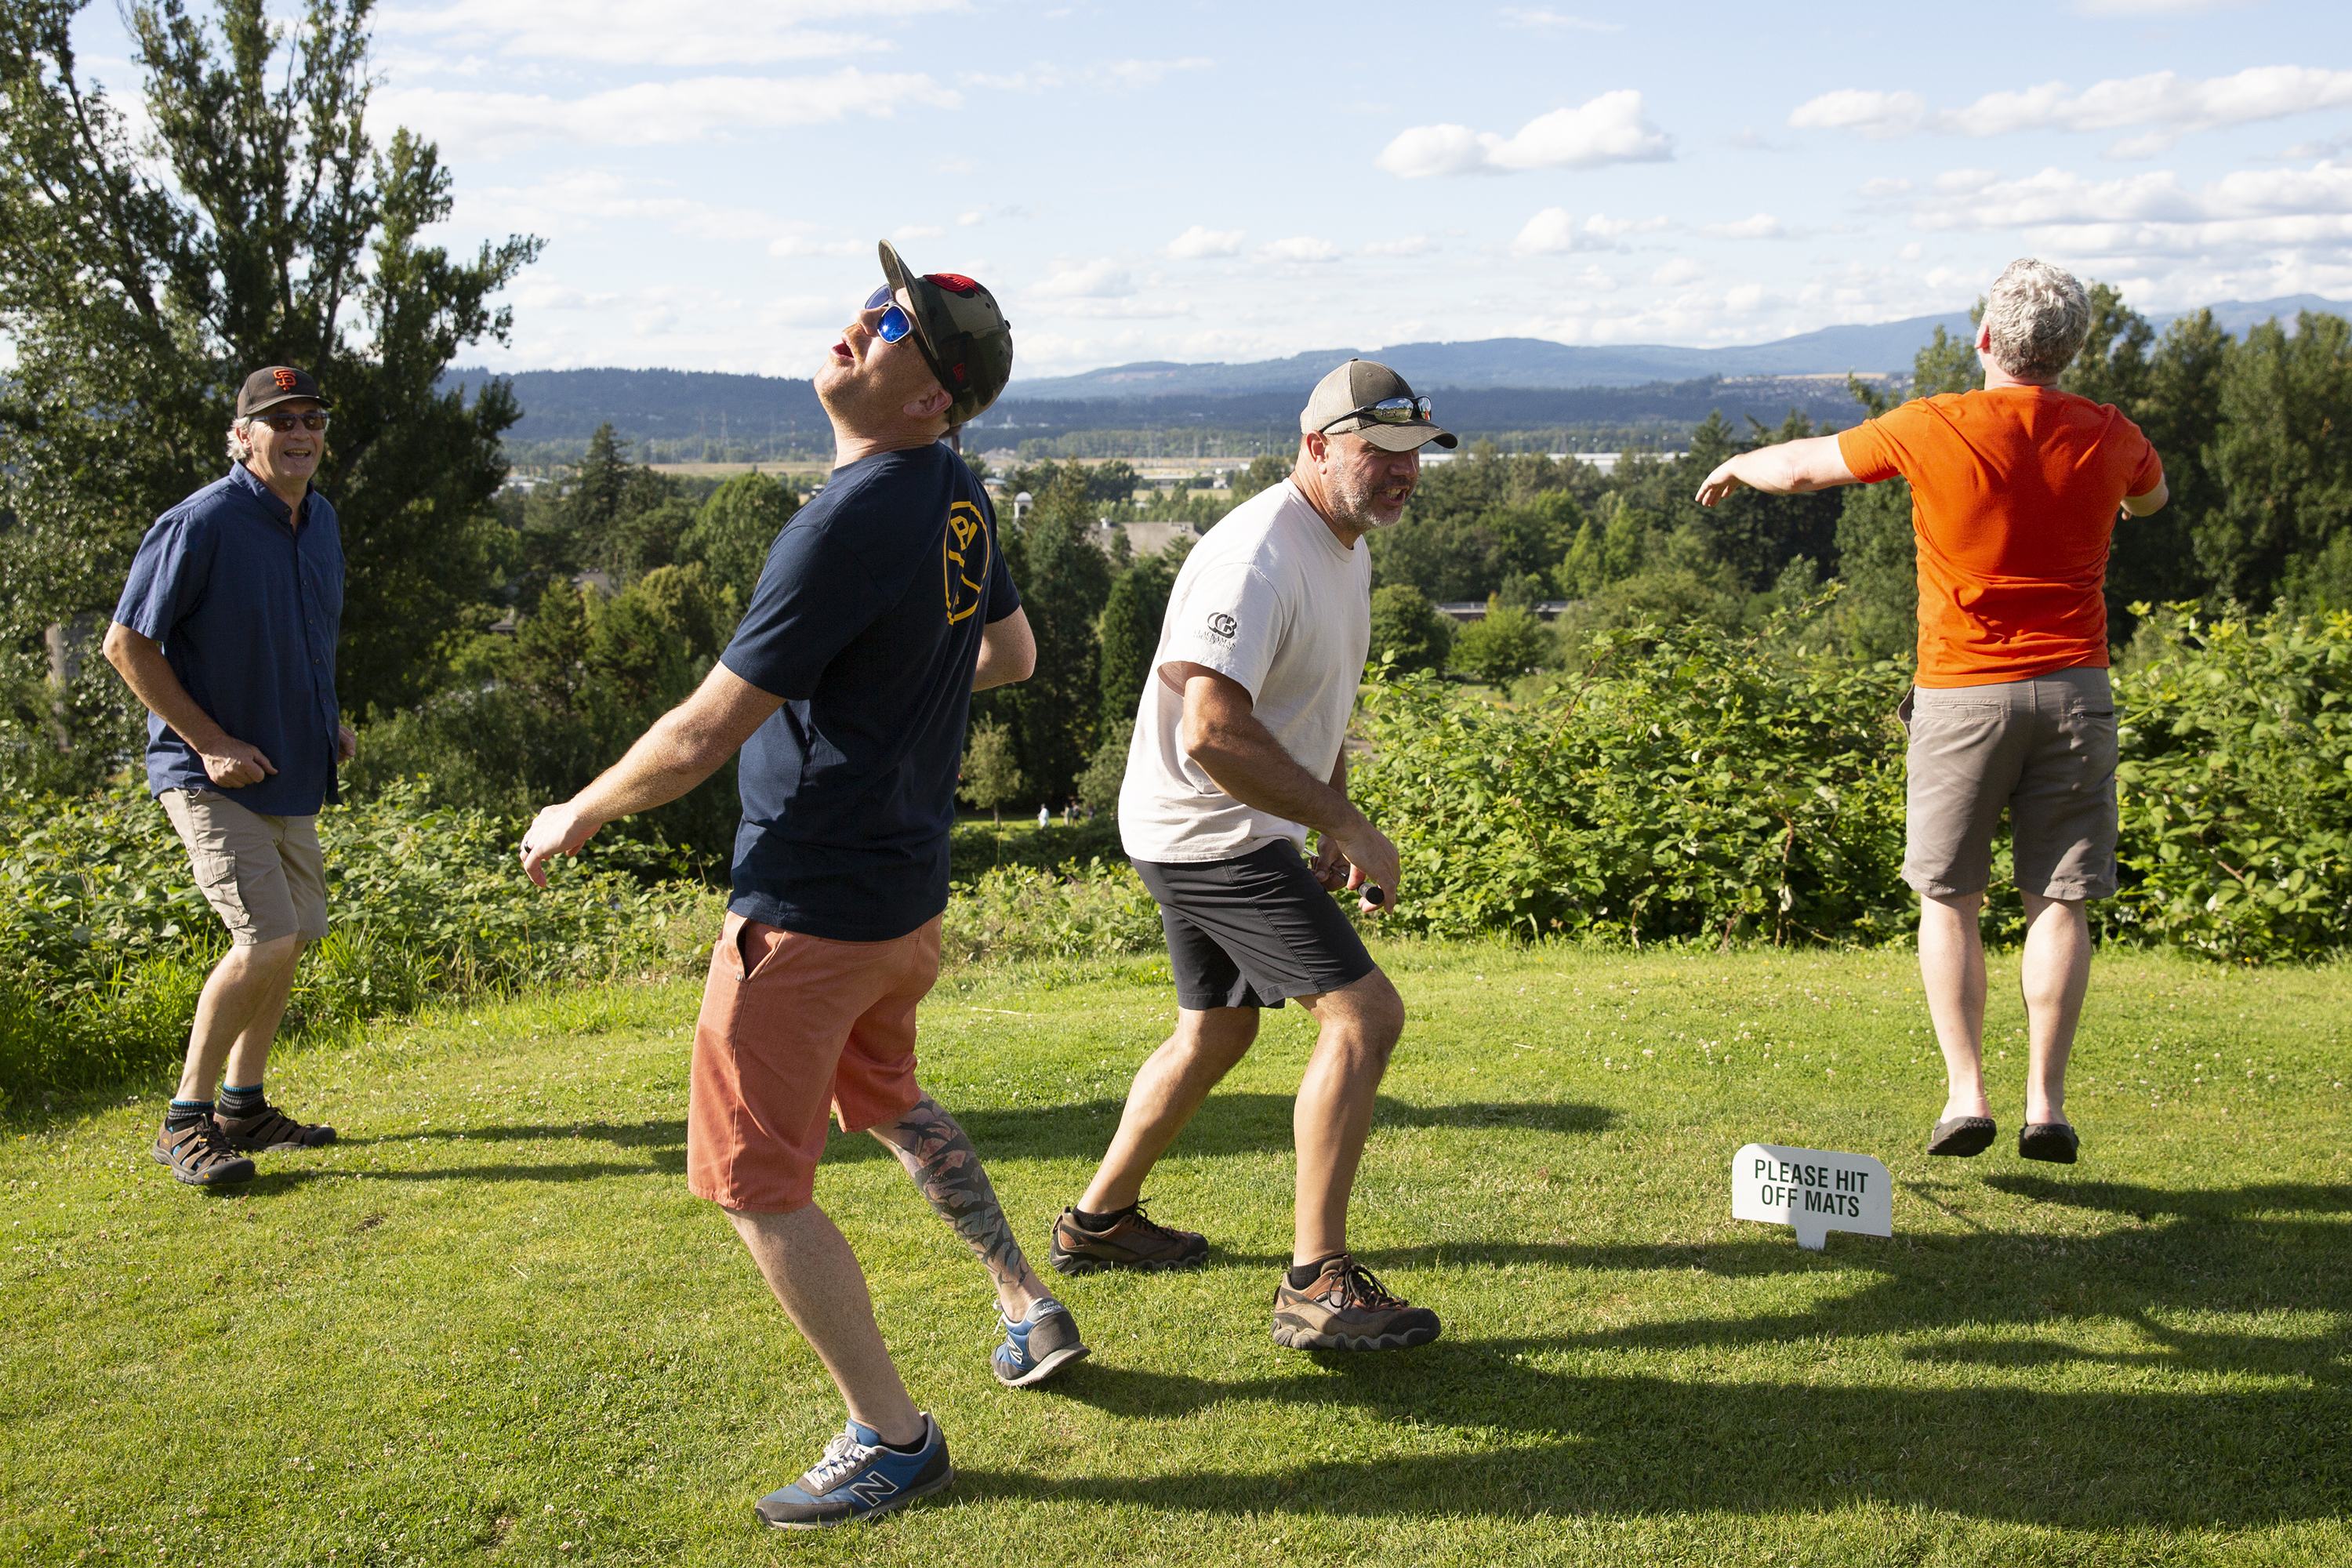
[[2044, 748], [264, 875]]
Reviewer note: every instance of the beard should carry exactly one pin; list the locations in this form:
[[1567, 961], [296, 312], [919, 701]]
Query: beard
[[1363, 501]]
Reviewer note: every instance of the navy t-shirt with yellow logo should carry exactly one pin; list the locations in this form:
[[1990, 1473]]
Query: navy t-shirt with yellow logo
[[868, 622]]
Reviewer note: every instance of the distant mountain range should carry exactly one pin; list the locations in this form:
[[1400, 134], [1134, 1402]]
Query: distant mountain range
[[1535, 362], [1498, 384]]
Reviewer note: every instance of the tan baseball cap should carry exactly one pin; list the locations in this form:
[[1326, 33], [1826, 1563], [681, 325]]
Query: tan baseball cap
[[1368, 399]]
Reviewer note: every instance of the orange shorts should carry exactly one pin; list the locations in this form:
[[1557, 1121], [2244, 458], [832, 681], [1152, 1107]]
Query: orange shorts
[[792, 1026]]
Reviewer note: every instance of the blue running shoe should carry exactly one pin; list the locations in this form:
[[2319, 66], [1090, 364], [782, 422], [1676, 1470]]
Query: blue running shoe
[[859, 1479], [1038, 1346]]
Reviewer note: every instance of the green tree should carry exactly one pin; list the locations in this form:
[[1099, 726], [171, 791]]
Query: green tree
[[1508, 644], [2282, 454], [1065, 582], [259, 223], [1266, 470], [1129, 635], [1099, 785], [1407, 633], [736, 528], [991, 768]]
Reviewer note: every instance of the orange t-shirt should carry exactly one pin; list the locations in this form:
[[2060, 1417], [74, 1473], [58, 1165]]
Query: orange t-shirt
[[2013, 498]]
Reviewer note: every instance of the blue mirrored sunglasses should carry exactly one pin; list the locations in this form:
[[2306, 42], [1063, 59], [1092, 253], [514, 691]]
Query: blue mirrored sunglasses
[[895, 322]]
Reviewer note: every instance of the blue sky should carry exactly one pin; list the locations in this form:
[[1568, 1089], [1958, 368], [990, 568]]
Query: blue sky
[[1209, 181]]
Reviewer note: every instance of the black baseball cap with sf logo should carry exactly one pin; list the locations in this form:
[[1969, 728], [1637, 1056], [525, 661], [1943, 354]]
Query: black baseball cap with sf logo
[[275, 384]]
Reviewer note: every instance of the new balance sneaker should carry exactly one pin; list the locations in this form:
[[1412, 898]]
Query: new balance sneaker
[[270, 1129], [1131, 1239], [1345, 1309], [201, 1157], [859, 1479], [1038, 1346]]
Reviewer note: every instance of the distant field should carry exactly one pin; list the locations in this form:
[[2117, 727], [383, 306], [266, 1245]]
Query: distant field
[[490, 1327]]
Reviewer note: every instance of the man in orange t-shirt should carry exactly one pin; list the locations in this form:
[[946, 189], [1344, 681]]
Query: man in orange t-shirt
[[2015, 491]]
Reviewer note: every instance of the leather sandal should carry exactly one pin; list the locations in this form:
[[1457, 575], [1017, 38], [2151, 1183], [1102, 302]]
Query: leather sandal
[[1963, 1136]]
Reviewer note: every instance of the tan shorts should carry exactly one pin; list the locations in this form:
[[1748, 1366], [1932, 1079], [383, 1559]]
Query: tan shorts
[[262, 875], [2045, 748], [793, 1025]]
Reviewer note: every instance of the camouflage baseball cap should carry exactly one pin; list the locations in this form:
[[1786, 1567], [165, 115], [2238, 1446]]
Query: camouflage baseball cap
[[965, 339]]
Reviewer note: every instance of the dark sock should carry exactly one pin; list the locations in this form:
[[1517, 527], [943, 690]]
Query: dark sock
[[1302, 1275], [246, 1101], [913, 1447], [184, 1114], [1098, 1221]]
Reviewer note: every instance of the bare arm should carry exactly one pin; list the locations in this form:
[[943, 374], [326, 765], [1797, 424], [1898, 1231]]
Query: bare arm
[[229, 763], [1008, 652], [685, 746], [2140, 506], [1789, 468], [1242, 757]]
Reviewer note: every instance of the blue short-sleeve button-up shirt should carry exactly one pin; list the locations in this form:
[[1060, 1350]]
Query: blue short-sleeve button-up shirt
[[248, 607]]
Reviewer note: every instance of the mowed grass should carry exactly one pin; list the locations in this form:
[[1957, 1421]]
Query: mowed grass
[[489, 1325]]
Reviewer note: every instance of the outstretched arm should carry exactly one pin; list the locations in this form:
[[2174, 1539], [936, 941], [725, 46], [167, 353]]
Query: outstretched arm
[[685, 746], [947, 1171], [1787, 468]]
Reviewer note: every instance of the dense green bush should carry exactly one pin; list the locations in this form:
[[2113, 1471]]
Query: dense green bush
[[2237, 785], [105, 940], [1690, 786], [1024, 913]]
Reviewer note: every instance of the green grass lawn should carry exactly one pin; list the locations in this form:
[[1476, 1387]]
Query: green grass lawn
[[489, 1325]]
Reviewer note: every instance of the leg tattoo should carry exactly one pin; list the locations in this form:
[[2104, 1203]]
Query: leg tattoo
[[947, 1172]]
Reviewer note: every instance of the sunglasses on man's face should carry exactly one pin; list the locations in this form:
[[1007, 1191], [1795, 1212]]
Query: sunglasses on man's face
[[1390, 411], [895, 322], [282, 423]]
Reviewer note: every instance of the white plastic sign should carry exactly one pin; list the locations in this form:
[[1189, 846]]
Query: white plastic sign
[[1816, 1191]]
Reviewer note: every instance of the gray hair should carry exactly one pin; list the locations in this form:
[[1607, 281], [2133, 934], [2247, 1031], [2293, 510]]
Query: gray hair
[[2038, 316], [240, 444]]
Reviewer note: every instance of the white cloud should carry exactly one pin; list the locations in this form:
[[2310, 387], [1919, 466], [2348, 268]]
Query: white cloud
[[1762, 225], [1961, 182], [1609, 227], [648, 114], [2155, 213], [1544, 20], [1135, 74], [1880, 189], [1912, 252], [2172, 104], [1301, 248], [1551, 232], [1877, 115], [1201, 241], [1100, 280], [911, 231], [1610, 129], [1681, 269], [645, 32], [799, 245], [1411, 245]]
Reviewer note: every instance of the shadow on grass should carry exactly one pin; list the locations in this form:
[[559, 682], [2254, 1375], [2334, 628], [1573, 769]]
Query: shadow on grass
[[1581, 1444]]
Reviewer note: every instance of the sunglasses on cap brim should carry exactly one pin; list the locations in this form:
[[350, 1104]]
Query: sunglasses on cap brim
[[895, 322], [1388, 411]]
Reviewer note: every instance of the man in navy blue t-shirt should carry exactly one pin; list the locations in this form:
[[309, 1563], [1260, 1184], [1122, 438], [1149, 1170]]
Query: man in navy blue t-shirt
[[885, 603]]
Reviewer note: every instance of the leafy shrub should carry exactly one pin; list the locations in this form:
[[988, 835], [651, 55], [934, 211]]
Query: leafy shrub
[[105, 940], [1505, 646], [1691, 786], [2236, 785], [1022, 912]]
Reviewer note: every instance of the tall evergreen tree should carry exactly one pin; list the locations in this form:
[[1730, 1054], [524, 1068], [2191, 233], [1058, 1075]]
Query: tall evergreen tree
[[2282, 453], [268, 226], [1065, 582], [1129, 633]]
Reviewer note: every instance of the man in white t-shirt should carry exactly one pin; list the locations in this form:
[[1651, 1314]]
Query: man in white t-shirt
[[1237, 756]]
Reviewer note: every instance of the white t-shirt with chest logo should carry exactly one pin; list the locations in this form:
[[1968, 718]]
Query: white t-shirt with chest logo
[[1272, 599]]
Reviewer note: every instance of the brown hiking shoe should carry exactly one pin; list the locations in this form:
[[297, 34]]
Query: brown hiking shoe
[[1132, 1240], [270, 1129], [200, 1156], [1347, 1309]]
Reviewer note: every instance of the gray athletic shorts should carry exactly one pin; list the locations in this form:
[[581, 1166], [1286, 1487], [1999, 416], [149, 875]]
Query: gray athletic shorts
[[2045, 748], [1250, 932]]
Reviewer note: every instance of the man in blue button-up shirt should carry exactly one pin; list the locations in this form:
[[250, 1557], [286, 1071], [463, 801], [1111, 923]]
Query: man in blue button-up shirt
[[226, 632]]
